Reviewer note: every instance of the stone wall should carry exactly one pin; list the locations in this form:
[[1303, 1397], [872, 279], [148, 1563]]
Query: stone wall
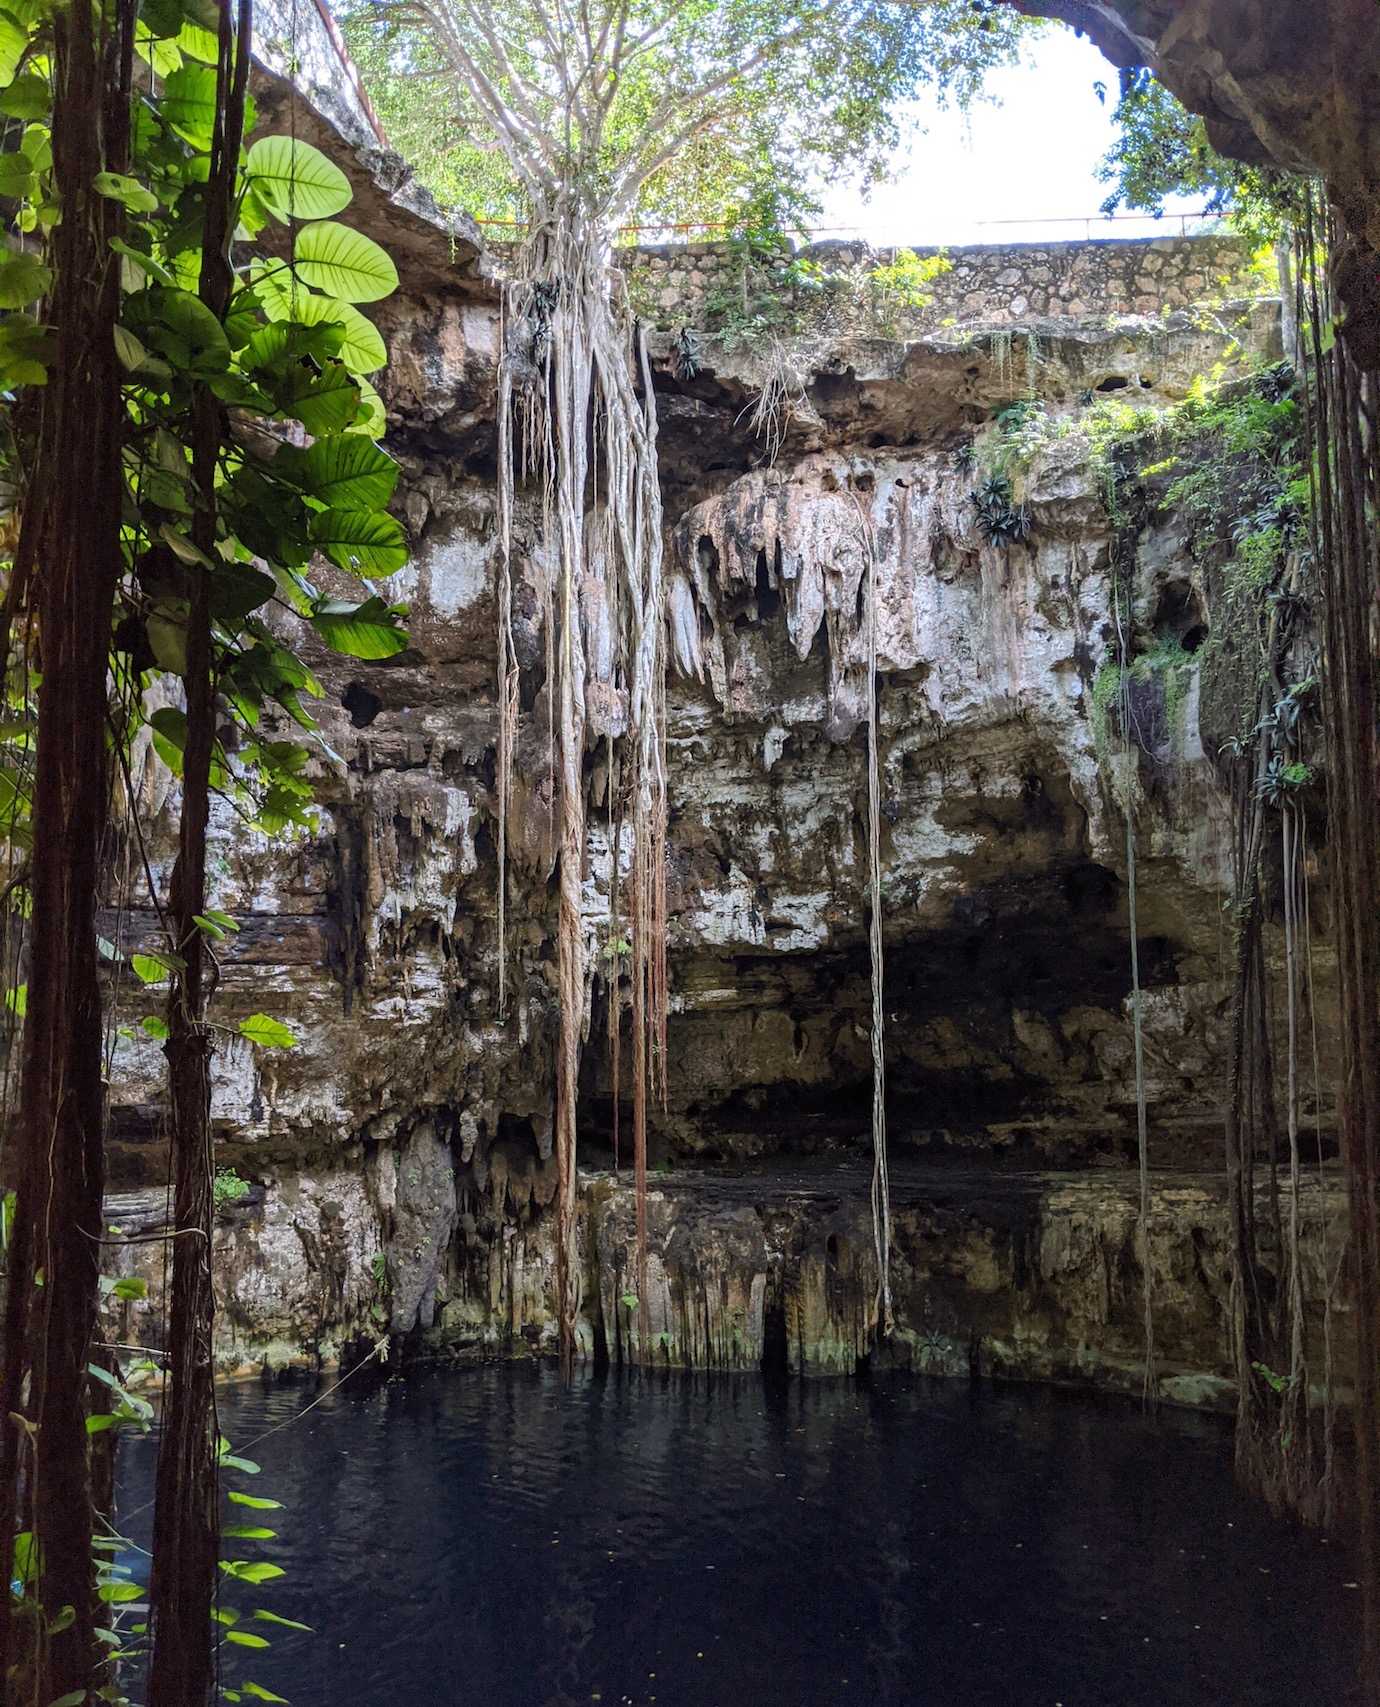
[[986, 282]]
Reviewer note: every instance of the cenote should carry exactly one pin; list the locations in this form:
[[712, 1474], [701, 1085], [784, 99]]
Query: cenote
[[492, 1537], [689, 913]]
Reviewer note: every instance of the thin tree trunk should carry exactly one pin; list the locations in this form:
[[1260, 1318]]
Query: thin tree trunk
[[186, 1529], [73, 541]]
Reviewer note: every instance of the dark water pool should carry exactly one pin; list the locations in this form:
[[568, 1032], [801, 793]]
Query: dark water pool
[[488, 1539]]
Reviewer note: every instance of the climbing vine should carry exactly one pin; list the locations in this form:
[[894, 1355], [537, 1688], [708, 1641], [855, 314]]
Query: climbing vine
[[190, 375]]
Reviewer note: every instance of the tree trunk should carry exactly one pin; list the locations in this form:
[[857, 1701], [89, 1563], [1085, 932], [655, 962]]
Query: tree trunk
[[186, 1542], [72, 538]]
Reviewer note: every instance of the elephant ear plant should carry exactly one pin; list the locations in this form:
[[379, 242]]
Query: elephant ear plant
[[189, 429]]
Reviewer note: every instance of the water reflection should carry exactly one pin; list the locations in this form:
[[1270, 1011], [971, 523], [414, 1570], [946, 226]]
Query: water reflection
[[486, 1537]]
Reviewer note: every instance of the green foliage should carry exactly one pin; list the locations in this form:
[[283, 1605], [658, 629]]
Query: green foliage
[[282, 367], [1163, 150], [1226, 465], [769, 295], [292, 353], [1001, 520], [796, 96], [267, 1033], [227, 1188]]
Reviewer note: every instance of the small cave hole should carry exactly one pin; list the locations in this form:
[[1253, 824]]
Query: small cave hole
[[1192, 638], [362, 705], [1114, 382], [768, 599]]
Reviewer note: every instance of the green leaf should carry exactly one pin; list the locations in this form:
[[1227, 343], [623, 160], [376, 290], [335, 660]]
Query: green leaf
[[247, 1639], [344, 263], [259, 1693], [198, 43], [280, 346], [267, 1033], [99, 1421], [324, 400], [182, 547], [73, 1698], [155, 967], [254, 1501], [180, 327], [14, 38], [188, 104], [129, 192], [160, 55], [248, 1532], [134, 358], [365, 543], [156, 1028], [17, 175], [237, 589], [295, 180], [17, 1000], [225, 1615], [28, 97], [23, 279], [360, 631], [131, 1286], [372, 420], [27, 1557], [286, 1623], [167, 634], [258, 1572], [361, 349], [225, 1456], [118, 1593], [171, 724], [345, 472]]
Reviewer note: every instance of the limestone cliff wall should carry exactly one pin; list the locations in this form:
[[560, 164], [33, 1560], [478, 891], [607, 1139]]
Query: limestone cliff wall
[[401, 1154]]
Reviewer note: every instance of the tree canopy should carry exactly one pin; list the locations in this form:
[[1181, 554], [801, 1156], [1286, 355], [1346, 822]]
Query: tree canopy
[[714, 111], [1163, 150]]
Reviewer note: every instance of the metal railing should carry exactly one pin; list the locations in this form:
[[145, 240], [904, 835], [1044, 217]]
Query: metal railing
[[710, 230]]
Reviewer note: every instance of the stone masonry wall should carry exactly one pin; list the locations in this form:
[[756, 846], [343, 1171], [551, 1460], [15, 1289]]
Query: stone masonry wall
[[992, 282]]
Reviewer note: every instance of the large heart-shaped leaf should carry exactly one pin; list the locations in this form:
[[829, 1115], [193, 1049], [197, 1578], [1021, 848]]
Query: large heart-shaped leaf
[[344, 263], [361, 349], [360, 631], [346, 472], [324, 400], [28, 97], [268, 1033], [189, 104], [237, 589], [362, 541], [180, 327], [294, 180], [23, 278]]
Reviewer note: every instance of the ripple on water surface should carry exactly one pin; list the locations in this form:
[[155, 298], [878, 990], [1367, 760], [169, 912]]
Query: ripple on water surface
[[488, 1538]]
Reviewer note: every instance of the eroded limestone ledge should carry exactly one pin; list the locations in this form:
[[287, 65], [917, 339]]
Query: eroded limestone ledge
[[1015, 1275]]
